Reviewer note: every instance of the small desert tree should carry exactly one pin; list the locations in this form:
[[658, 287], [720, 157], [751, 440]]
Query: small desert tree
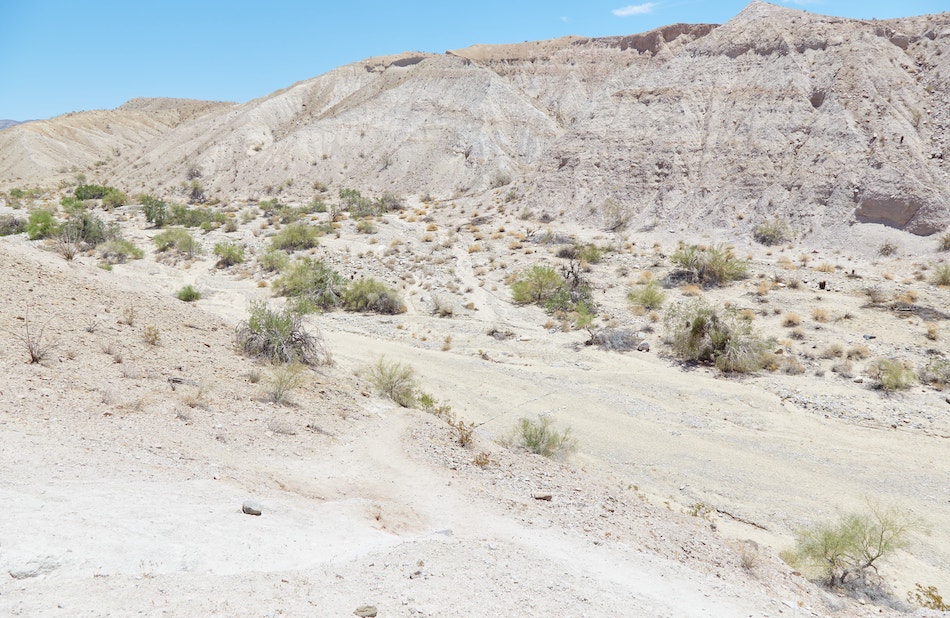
[[536, 285], [845, 554]]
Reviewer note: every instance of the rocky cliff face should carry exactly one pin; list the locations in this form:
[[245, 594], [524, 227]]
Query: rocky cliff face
[[822, 120]]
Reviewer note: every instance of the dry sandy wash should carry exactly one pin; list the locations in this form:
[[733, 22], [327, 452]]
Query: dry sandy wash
[[126, 463]]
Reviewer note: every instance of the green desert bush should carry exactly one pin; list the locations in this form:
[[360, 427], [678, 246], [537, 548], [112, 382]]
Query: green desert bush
[[312, 280], [229, 254], [188, 294], [536, 285], [941, 275], [113, 198], [649, 296], [88, 229], [708, 266], [372, 295], [90, 192], [394, 380], [178, 239], [279, 336], [699, 332], [541, 438], [296, 236], [590, 253], [774, 232], [155, 210], [205, 218], [273, 260], [892, 374], [118, 251], [845, 554], [41, 224]]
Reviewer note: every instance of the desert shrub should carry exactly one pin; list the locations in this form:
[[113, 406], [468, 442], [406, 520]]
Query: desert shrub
[[774, 232], [536, 285], [943, 243], [886, 249], [844, 554], [312, 280], [708, 265], [892, 374], [296, 236], [590, 253], [188, 294], [541, 438], [791, 319], [88, 229], [649, 296], [33, 340], [90, 192], [113, 198], [273, 260], [936, 373], [395, 380], [152, 335], [791, 366], [372, 295], [279, 337], [366, 226], [178, 239], [358, 206], [941, 275], [229, 254], [285, 378], [928, 598], [41, 224], [616, 339], [205, 218], [10, 224], [698, 332], [156, 210], [118, 251]]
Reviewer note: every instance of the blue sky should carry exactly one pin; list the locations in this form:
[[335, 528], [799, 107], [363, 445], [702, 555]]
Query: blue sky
[[58, 56]]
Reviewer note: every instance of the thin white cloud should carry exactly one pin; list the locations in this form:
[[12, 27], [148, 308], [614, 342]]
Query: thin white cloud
[[635, 9], [565, 19]]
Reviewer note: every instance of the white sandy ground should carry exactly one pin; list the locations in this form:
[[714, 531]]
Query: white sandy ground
[[120, 498]]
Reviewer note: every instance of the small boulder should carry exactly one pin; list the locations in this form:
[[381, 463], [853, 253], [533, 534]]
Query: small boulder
[[251, 508], [542, 495], [366, 611], [643, 346]]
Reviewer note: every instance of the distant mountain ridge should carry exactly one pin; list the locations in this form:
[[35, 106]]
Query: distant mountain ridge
[[10, 123], [824, 121]]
